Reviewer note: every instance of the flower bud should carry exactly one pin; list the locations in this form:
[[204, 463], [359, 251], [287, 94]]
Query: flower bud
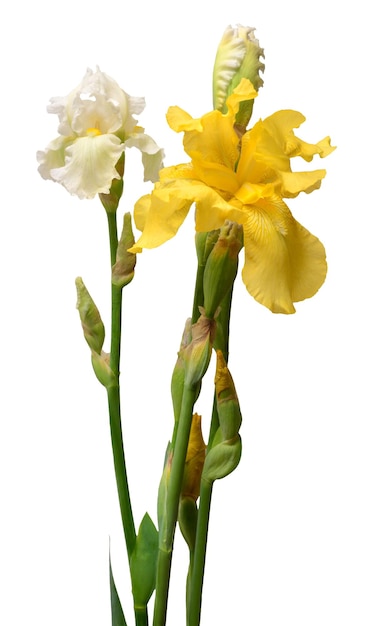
[[102, 369], [204, 243], [143, 562], [228, 408], [187, 518], [177, 379], [238, 56], [221, 267], [197, 355], [194, 460], [93, 327], [163, 488], [222, 459], [123, 269]]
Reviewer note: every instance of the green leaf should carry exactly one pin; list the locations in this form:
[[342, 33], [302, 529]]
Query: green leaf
[[143, 562], [118, 618]]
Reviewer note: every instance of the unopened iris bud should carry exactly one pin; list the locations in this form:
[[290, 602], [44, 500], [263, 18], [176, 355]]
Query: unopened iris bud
[[163, 488], [238, 56], [123, 269], [228, 407], [93, 327], [197, 355], [222, 459], [102, 369], [194, 460], [204, 243], [177, 379], [221, 267]]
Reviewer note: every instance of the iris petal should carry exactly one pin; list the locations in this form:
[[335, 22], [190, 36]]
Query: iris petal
[[89, 165]]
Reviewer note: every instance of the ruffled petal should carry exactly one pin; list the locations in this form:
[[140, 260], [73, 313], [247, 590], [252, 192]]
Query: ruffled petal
[[89, 165], [162, 216], [292, 183], [152, 154], [160, 219], [284, 263], [53, 157]]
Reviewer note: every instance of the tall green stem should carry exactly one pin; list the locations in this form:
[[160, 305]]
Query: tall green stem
[[199, 555], [167, 532], [114, 402]]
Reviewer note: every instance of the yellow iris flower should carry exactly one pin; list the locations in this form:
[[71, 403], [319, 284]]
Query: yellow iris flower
[[243, 179]]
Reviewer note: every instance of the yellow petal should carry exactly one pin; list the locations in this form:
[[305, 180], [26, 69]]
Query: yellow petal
[[294, 182], [161, 220], [179, 120], [284, 263]]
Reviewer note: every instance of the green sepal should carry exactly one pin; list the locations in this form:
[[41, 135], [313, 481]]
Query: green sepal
[[143, 562], [118, 618]]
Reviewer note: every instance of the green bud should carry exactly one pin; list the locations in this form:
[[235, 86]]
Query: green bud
[[111, 200], [187, 517], [163, 489], [93, 327], [177, 379], [143, 562], [204, 243], [123, 269], [238, 56], [222, 459], [102, 369], [228, 407], [197, 355], [221, 267]]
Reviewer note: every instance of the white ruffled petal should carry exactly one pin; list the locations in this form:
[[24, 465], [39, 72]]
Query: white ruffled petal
[[89, 165], [53, 157], [152, 154]]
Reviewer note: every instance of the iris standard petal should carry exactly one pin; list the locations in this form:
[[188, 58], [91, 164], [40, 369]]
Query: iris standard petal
[[89, 165], [284, 263]]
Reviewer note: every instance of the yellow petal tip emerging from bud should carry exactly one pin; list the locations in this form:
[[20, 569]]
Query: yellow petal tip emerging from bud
[[238, 56]]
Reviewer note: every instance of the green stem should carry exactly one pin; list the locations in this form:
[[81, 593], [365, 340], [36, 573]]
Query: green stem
[[198, 562], [141, 616], [114, 402], [198, 565], [167, 532]]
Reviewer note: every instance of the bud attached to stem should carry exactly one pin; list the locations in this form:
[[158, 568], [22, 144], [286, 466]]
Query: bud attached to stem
[[221, 266], [93, 327], [228, 407], [238, 56], [123, 269], [198, 354]]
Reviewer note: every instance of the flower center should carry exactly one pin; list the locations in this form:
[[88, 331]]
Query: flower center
[[93, 132]]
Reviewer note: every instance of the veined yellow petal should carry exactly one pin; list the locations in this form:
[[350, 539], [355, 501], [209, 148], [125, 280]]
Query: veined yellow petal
[[284, 263]]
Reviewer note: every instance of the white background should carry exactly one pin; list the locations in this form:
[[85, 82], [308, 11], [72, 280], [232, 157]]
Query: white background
[[294, 531]]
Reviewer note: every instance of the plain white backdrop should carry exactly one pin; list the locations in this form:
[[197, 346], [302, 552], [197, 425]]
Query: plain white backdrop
[[294, 530]]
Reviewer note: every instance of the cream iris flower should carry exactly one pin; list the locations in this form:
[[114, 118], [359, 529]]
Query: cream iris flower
[[243, 179], [96, 124]]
